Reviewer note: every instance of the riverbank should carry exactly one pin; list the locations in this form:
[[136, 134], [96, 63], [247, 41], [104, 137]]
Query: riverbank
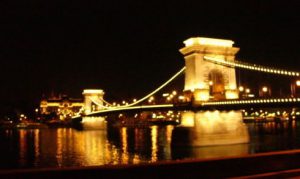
[[272, 164]]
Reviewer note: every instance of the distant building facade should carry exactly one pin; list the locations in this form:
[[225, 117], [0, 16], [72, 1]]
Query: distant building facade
[[61, 107]]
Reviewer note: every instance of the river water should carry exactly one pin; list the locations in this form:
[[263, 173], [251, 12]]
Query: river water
[[62, 147]]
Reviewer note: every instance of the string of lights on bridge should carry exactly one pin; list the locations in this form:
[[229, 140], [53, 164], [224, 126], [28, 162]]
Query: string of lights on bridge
[[208, 103], [249, 66], [235, 63], [251, 101], [120, 108]]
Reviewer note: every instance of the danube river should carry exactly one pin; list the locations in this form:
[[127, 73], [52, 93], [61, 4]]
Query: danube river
[[62, 147]]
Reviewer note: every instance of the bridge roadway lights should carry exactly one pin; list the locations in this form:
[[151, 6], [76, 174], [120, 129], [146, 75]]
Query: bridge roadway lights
[[210, 128]]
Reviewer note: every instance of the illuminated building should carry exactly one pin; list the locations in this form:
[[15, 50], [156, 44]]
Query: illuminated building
[[61, 107]]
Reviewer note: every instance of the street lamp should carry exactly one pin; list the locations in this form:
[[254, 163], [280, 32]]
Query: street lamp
[[247, 90], [241, 92], [174, 93], [151, 99], [241, 89], [265, 89], [294, 87]]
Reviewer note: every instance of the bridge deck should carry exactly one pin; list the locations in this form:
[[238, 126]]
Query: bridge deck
[[210, 105]]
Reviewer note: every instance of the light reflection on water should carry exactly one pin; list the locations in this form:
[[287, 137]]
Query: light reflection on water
[[154, 143], [69, 147]]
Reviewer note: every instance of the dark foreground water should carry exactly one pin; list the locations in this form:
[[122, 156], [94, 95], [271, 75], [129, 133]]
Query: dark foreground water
[[34, 148]]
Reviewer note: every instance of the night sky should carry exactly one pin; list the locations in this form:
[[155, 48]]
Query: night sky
[[128, 48]]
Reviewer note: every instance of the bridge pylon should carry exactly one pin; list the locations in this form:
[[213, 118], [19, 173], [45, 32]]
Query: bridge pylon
[[93, 100], [205, 80]]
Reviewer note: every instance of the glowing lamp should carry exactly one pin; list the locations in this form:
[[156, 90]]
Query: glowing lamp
[[181, 97], [241, 88], [174, 92], [265, 89], [165, 94]]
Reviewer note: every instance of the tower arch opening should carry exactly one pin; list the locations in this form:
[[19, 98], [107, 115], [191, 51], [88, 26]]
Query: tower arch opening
[[216, 85]]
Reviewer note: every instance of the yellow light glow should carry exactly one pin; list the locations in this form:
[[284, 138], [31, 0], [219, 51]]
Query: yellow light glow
[[208, 41], [174, 92], [231, 95], [241, 88], [232, 86], [264, 89], [201, 95], [181, 97], [298, 82], [165, 94], [124, 137], [154, 134], [187, 119], [93, 91], [199, 86]]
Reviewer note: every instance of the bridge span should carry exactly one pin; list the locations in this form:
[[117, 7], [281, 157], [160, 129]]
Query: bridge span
[[209, 105], [210, 85]]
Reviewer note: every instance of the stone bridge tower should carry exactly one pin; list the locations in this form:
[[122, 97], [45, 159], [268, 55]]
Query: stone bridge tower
[[205, 80], [93, 100]]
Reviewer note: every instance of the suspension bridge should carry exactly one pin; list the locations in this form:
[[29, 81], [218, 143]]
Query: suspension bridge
[[207, 61]]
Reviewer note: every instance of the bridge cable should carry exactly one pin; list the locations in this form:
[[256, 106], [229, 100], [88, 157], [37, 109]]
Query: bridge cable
[[248, 66], [159, 88], [145, 97], [97, 102]]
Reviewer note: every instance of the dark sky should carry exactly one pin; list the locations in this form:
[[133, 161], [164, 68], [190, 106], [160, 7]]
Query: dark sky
[[126, 47]]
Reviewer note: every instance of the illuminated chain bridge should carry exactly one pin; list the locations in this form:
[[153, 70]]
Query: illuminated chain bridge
[[218, 54], [107, 107]]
